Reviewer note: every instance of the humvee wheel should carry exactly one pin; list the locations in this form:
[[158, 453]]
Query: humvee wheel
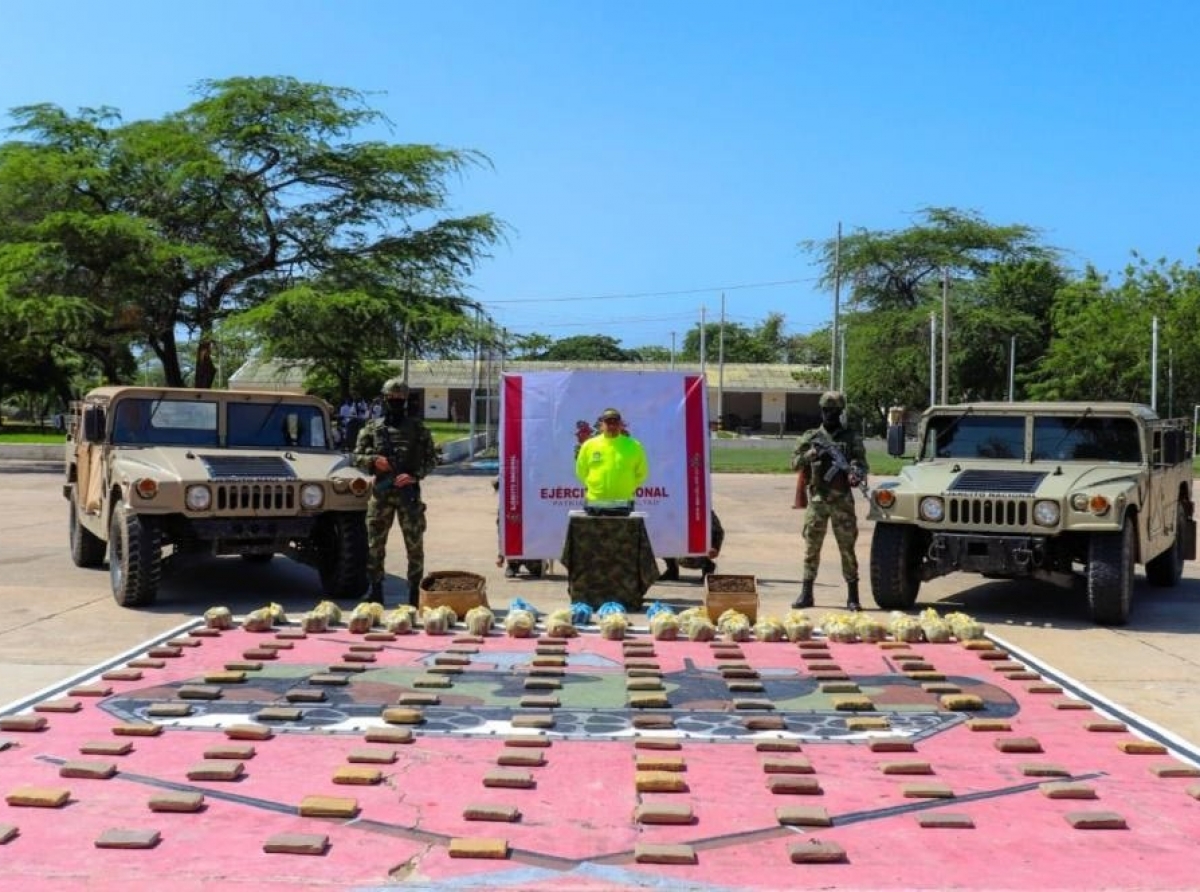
[[87, 549], [134, 557], [895, 566], [1110, 576], [342, 555], [1166, 569]]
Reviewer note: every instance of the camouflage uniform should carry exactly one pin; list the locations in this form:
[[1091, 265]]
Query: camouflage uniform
[[830, 502], [409, 446]]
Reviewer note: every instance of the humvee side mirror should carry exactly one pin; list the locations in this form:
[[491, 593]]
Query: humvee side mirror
[[93, 424], [895, 440]]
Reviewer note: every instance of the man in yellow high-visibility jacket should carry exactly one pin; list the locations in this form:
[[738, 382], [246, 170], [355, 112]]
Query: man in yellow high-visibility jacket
[[611, 465]]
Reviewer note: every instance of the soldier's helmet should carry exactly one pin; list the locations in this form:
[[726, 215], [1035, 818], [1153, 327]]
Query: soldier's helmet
[[832, 399], [394, 386]]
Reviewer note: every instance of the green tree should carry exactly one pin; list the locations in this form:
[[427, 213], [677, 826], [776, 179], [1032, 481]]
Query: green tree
[[529, 346], [896, 268], [1103, 338], [586, 348], [175, 225], [1001, 284], [764, 343]]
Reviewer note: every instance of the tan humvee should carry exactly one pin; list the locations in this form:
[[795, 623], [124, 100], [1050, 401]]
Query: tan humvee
[[1050, 491], [152, 472]]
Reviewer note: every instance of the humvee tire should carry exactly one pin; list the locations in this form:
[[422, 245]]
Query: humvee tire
[[1110, 575], [341, 543], [1166, 569], [895, 579], [87, 549], [134, 557]]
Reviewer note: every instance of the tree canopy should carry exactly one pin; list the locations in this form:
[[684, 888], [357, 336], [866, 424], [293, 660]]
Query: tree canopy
[[144, 232]]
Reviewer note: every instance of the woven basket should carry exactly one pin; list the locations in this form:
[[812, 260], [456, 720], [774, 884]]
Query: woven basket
[[734, 592], [469, 591]]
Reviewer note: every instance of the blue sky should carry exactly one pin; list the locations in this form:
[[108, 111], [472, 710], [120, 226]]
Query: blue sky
[[650, 157]]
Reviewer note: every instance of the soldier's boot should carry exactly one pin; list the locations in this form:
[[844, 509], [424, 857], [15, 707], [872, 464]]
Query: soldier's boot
[[671, 573], [852, 597], [414, 589], [708, 568], [805, 598], [375, 595]]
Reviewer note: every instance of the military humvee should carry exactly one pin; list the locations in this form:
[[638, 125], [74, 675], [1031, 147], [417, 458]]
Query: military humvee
[[154, 472], [1056, 491]]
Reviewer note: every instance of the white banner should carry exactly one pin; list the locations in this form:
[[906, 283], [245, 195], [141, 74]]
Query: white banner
[[545, 416]]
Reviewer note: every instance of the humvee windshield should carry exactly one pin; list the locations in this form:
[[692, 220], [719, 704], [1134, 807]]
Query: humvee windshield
[[270, 425], [164, 422], [154, 422], [1055, 438], [1086, 438], [975, 436]]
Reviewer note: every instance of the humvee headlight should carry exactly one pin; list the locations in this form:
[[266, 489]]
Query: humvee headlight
[[312, 496], [146, 487], [932, 509], [1079, 501], [884, 498], [198, 498], [340, 485], [1046, 513], [1099, 505], [360, 486]]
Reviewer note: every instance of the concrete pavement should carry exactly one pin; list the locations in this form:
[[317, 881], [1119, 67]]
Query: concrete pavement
[[59, 620]]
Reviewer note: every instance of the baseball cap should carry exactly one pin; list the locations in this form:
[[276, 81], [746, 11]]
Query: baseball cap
[[610, 413]]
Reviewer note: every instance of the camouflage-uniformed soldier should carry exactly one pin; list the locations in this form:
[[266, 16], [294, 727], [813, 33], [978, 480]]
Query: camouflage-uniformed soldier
[[399, 451], [830, 495]]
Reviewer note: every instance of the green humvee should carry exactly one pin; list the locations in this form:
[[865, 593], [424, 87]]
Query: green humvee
[[1053, 491], [152, 472]]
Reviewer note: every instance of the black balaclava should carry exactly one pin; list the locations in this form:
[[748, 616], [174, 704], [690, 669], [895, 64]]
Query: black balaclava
[[831, 417], [395, 409]]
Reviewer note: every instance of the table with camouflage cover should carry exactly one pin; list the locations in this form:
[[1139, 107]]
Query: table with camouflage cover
[[608, 559]]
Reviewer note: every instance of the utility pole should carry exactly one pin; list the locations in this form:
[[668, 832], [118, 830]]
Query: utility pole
[[933, 357], [721, 364], [945, 336], [837, 309], [1154, 364], [841, 360], [672, 351], [1012, 368]]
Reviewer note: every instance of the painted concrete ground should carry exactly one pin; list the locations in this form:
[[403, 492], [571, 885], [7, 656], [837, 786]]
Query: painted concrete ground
[[418, 761]]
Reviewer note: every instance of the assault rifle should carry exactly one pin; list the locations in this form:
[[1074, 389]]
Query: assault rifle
[[838, 463], [385, 481]]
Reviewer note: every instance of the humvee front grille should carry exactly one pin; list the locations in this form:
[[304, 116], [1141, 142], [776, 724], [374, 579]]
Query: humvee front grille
[[987, 512], [984, 481], [247, 467], [258, 498]]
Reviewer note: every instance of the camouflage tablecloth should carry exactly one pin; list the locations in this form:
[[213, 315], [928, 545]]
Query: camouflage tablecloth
[[608, 559]]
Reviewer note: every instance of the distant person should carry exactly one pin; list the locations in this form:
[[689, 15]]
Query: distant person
[[705, 565], [611, 466], [830, 495]]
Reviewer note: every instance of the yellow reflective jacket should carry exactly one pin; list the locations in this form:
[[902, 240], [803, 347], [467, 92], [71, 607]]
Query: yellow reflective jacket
[[612, 468]]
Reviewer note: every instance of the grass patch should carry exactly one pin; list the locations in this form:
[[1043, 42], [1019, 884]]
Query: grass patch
[[29, 433], [778, 461]]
